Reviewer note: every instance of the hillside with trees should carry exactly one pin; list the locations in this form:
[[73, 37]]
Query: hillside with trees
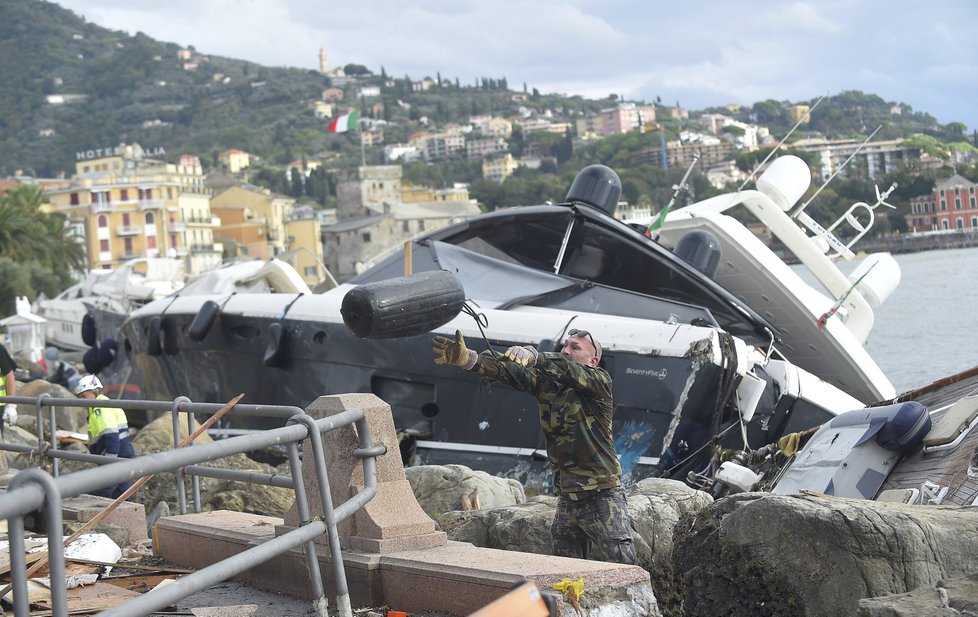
[[70, 85]]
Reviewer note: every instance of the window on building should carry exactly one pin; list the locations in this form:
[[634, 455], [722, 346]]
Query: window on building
[[169, 192], [943, 205], [103, 221], [103, 245], [173, 240], [126, 221], [957, 203], [972, 202], [150, 219], [73, 199], [974, 222], [365, 237], [405, 226], [944, 224], [959, 224], [420, 225], [127, 244], [151, 242], [124, 194], [942, 192]]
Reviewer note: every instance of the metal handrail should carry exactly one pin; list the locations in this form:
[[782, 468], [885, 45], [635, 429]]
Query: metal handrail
[[32, 488]]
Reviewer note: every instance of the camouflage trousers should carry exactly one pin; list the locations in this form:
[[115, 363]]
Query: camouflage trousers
[[595, 527]]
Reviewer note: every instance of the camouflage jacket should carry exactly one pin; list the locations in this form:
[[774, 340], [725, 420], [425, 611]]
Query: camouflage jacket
[[576, 407]]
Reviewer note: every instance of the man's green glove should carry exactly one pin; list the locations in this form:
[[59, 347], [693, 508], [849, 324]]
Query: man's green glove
[[448, 351]]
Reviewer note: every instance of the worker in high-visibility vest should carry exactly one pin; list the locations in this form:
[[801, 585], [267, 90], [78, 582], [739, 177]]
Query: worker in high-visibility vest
[[108, 430], [8, 387]]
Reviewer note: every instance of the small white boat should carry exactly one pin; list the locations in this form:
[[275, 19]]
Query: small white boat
[[119, 291]]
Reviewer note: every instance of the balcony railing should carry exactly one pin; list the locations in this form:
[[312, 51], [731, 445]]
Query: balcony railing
[[150, 204], [201, 249], [202, 221], [180, 226], [129, 230], [101, 206]]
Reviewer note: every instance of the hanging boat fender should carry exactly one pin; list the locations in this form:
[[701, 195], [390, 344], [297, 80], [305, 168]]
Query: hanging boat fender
[[107, 352], [91, 361], [404, 306], [204, 320], [275, 349], [89, 332], [153, 345]]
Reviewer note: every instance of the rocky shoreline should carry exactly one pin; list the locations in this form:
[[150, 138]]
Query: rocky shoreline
[[751, 554]]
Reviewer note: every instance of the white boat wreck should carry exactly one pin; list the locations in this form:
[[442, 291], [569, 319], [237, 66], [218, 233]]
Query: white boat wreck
[[132, 284], [711, 339]]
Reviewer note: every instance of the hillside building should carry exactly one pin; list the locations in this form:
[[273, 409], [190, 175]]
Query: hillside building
[[873, 161], [125, 204], [235, 160], [950, 206], [253, 221], [372, 217]]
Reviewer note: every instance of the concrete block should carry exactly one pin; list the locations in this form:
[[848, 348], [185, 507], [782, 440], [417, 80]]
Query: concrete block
[[129, 515]]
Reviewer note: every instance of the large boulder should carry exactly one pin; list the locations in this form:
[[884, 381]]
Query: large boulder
[[759, 554], [73, 419], [522, 527], [444, 488], [656, 506]]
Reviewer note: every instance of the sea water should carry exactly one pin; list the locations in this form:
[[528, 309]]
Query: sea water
[[928, 328]]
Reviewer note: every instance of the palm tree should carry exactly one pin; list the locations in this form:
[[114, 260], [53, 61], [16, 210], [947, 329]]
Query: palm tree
[[29, 235]]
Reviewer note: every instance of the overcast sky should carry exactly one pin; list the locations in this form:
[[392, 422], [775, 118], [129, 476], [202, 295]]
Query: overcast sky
[[700, 54]]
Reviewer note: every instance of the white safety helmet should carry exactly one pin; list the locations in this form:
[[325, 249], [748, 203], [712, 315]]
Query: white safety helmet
[[86, 383]]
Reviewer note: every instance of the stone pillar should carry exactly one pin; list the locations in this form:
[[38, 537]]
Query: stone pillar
[[391, 521]]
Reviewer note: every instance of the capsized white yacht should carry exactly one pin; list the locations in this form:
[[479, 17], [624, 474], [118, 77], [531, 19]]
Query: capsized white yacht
[[708, 335]]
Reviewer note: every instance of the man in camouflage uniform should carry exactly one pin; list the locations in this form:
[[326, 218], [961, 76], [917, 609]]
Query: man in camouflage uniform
[[575, 403]]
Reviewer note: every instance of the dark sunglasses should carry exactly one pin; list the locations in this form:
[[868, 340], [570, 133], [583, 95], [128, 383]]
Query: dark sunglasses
[[582, 334]]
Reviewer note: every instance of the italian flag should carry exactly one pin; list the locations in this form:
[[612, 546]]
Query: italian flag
[[344, 123]]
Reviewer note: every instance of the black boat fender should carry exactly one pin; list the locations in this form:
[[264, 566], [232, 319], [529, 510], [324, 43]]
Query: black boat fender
[[91, 361], [153, 345], [203, 320], [404, 306], [89, 332], [107, 352]]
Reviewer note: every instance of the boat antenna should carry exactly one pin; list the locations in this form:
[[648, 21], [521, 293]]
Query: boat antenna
[[802, 207], [678, 189], [804, 118]]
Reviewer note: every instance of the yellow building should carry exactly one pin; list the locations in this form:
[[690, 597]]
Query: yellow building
[[253, 219], [126, 205], [458, 192], [235, 160], [412, 193], [498, 169], [799, 112], [501, 127], [305, 241]]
